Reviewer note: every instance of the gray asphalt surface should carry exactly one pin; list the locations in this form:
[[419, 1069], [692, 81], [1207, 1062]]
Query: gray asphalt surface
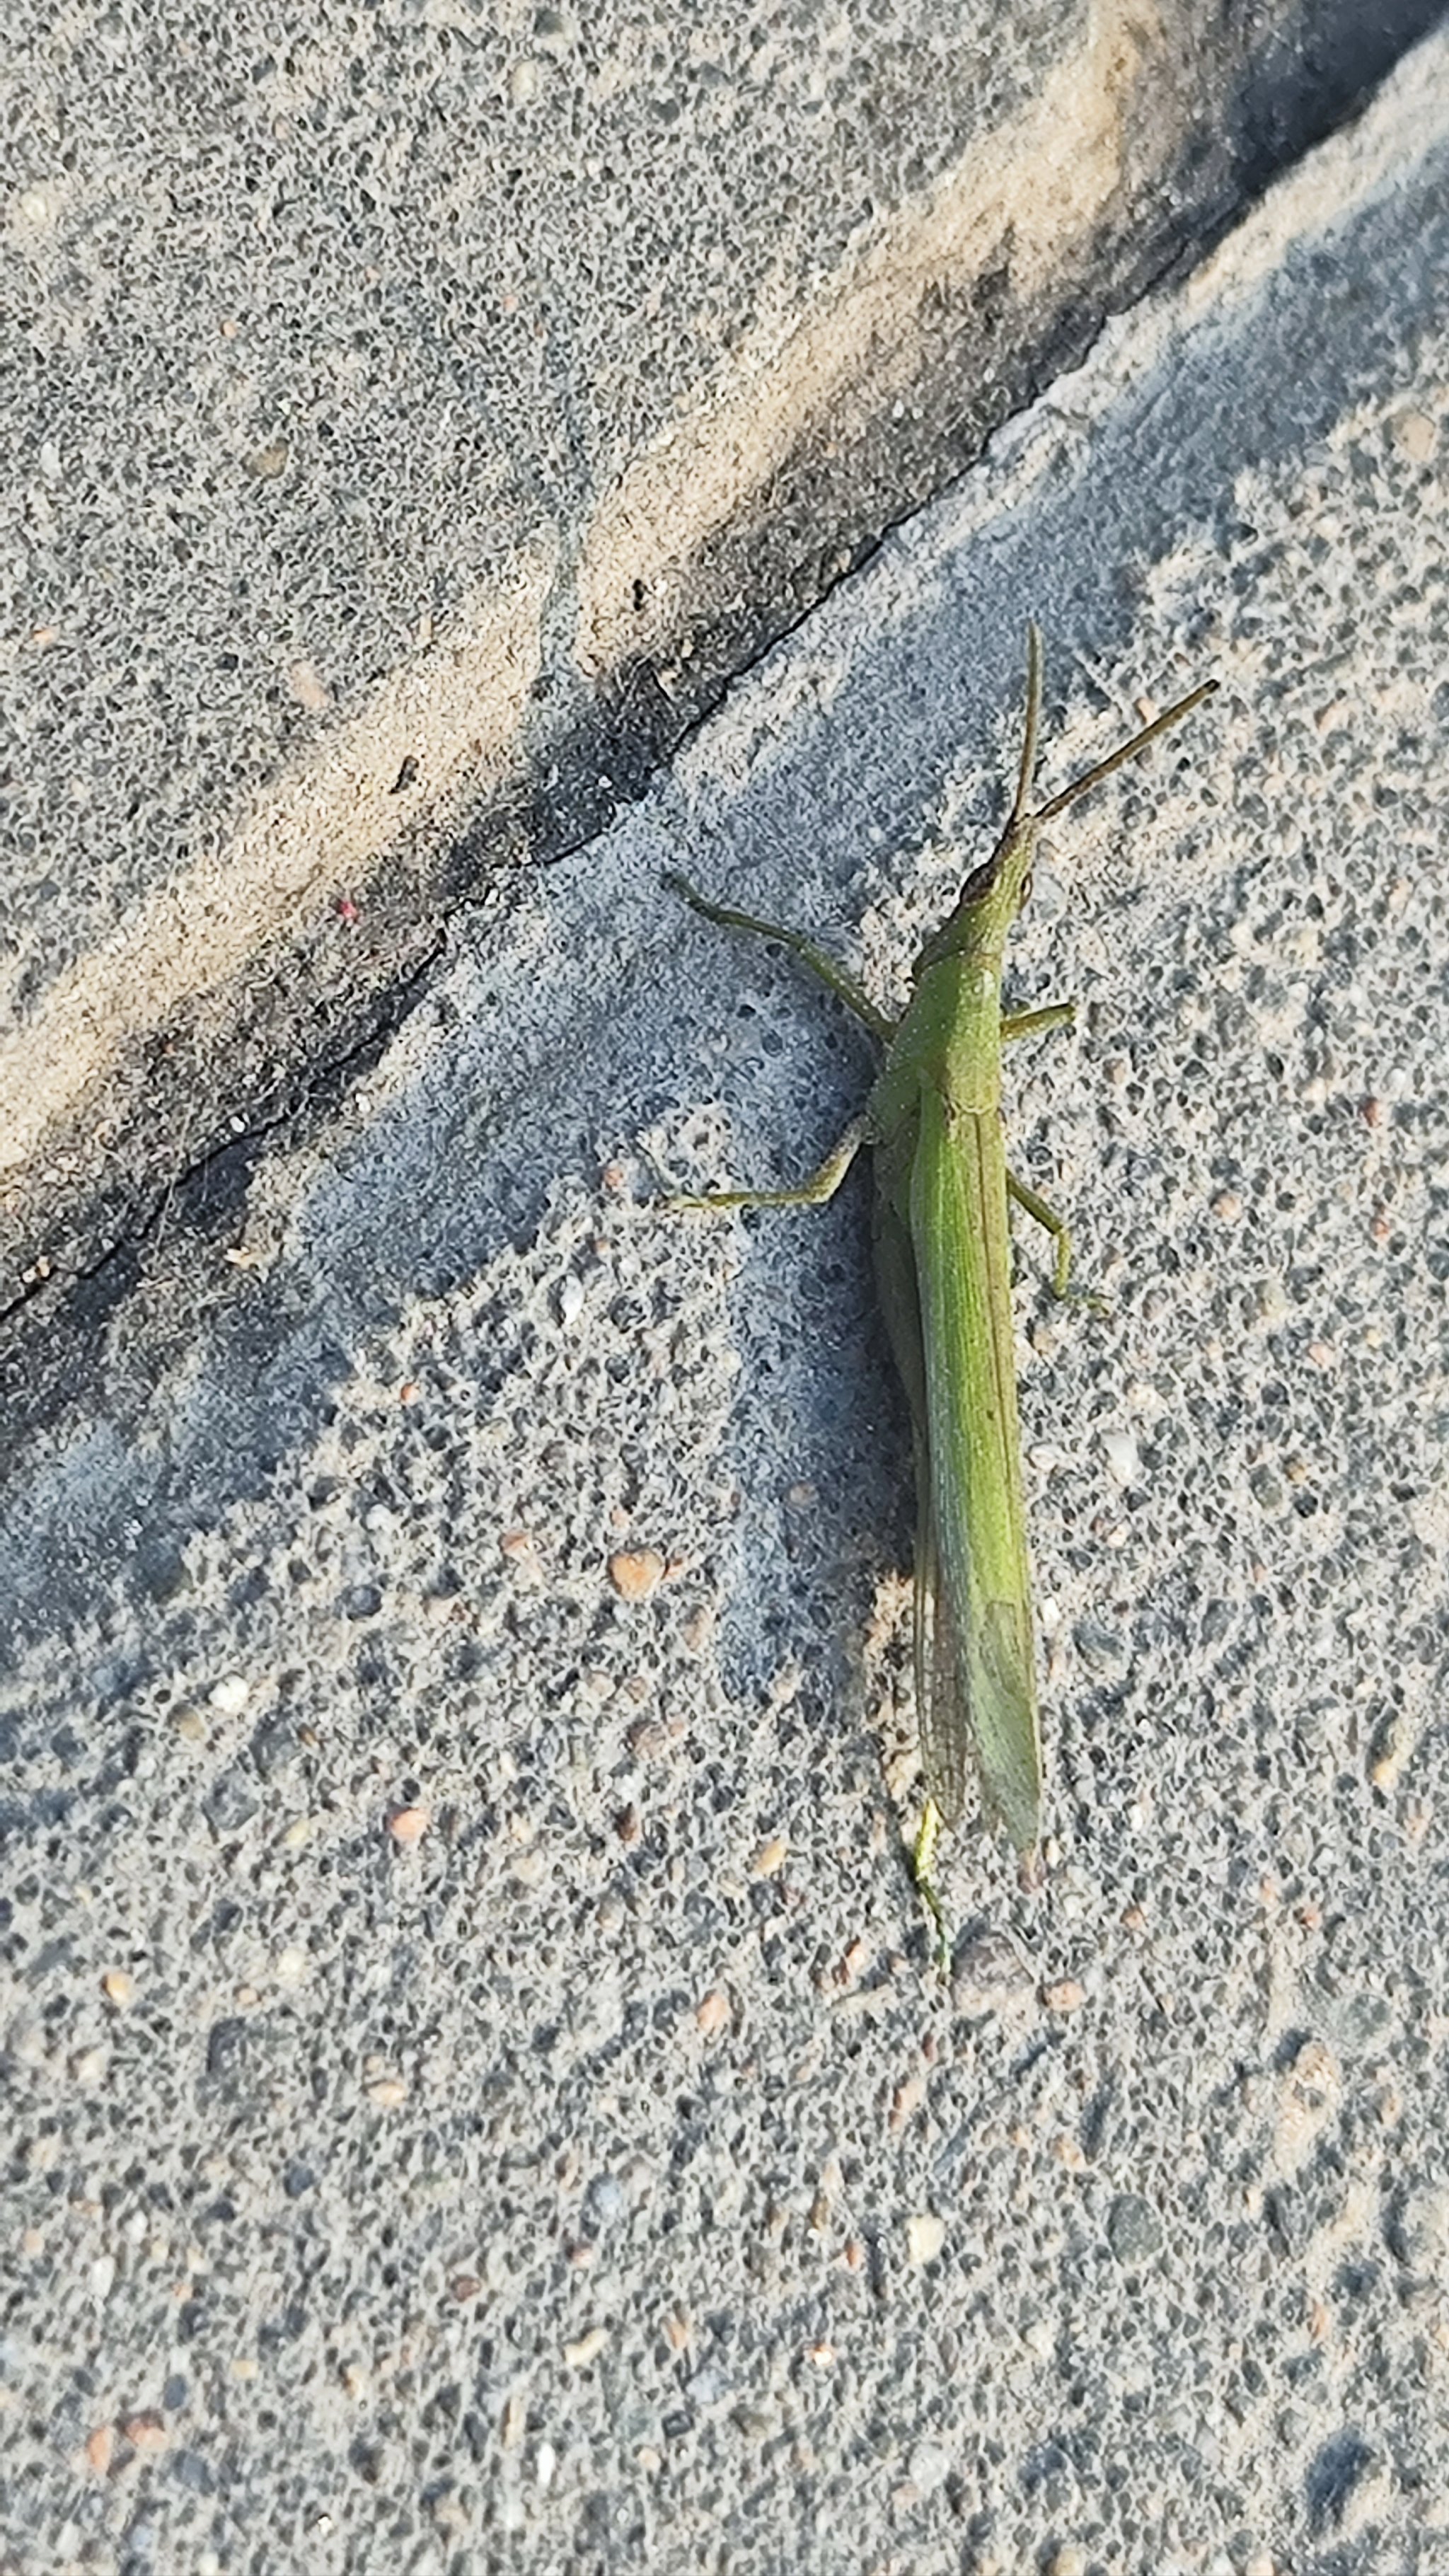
[[479, 2099]]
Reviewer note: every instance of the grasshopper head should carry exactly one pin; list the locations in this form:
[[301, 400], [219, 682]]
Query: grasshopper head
[[994, 893], [989, 901]]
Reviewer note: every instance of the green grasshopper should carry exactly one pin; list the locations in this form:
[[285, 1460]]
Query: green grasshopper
[[943, 1267]]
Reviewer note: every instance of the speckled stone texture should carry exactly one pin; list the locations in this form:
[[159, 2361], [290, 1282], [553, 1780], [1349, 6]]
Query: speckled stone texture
[[476, 2098]]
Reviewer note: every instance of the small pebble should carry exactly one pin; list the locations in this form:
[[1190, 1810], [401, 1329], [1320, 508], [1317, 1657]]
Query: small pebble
[[578, 2355], [145, 2432], [389, 2093], [712, 2014], [307, 686], [604, 2200], [770, 1856], [229, 1696], [1134, 2230], [409, 1825], [990, 1976], [1064, 1995], [1388, 1753], [925, 2236], [905, 2102], [118, 1989], [1414, 435], [1123, 1460], [635, 1572]]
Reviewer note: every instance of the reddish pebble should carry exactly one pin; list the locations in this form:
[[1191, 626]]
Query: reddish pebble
[[145, 2432], [635, 1572]]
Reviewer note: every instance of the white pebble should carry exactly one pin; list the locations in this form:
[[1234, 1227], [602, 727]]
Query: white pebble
[[1122, 1459], [925, 2236]]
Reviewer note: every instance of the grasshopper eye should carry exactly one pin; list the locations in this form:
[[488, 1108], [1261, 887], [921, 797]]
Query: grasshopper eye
[[1028, 881]]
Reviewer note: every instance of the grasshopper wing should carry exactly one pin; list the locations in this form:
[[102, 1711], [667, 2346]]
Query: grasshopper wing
[[942, 1718], [975, 1656]]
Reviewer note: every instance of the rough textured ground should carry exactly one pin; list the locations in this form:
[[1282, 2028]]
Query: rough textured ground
[[476, 2095]]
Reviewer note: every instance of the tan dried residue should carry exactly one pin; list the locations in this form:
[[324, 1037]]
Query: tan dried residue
[[1048, 180], [1308, 2096], [322, 826]]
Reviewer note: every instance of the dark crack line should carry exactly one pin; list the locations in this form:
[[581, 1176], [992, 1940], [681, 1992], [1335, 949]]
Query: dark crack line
[[328, 1074]]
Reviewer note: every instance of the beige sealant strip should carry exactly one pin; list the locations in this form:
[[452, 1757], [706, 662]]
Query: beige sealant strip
[[1050, 176], [320, 830]]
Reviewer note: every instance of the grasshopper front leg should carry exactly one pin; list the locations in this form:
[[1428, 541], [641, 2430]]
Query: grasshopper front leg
[[836, 979], [1032, 1024]]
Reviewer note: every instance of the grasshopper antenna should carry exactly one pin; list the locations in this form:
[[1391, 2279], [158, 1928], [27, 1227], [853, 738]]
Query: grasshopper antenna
[[1125, 751]]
